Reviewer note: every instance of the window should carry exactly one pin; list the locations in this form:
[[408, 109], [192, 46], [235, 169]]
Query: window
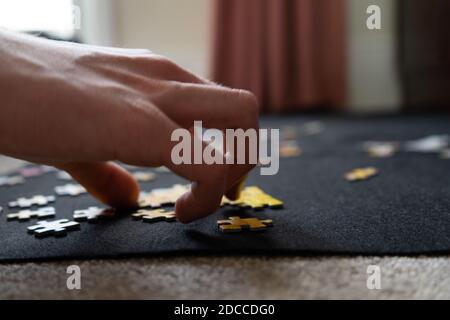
[[56, 17]]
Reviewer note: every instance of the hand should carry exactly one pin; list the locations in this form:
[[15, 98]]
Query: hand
[[78, 107]]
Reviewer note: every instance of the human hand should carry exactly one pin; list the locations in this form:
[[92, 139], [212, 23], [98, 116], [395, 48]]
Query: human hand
[[79, 107]]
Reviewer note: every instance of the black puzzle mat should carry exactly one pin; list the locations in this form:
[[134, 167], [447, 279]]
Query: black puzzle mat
[[404, 210]]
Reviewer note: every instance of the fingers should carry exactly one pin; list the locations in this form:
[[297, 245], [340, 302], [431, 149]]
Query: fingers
[[234, 191], [208, 183], [106, 181], [217, 107], [152, 140], [206, 191]]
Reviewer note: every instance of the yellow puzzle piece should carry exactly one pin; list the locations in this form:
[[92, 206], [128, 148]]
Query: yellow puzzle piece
[[255, 198], [237, 224], [162, 197], [361, 174], [155, 215]]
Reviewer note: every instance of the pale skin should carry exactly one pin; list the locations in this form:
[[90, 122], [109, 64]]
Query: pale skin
[[79, 107]]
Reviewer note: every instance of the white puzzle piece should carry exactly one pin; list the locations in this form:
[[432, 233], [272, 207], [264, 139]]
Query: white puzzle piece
[[26, 215], [33, 201], [70, 189], [56, 228], [93, 214]]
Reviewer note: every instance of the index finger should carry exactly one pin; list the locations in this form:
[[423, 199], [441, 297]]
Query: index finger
[[217, 107]]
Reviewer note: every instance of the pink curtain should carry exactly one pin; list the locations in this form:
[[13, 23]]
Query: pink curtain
[[290, 53]]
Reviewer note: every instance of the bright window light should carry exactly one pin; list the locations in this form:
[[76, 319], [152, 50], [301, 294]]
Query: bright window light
[[53, 16]]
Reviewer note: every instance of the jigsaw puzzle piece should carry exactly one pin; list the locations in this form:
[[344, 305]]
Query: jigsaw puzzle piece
[[238, 224], [254, 198], [93, 214], [162, 169], [26, 215], [70, 189], [142, 176], [162, 197], [155, 215], [56, 228], [32, 171], [381, 149], [63, 175], [433, 143], [11, 181], [360, 174], [261, 198], [290, 149], [33, 201]]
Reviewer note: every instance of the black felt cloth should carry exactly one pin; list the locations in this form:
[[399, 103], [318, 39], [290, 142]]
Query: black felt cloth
[[404, 210]]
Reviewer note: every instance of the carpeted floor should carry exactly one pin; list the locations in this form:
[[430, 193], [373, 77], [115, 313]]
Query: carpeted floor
[[230, 278]]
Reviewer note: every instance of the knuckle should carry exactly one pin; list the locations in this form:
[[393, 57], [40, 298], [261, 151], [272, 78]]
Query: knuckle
[[165, 63]]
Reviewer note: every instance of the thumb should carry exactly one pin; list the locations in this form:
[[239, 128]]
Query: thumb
[[106, 181]]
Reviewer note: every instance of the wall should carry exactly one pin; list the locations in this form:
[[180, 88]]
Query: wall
[[372, 68], [98, 23], [174, 28]]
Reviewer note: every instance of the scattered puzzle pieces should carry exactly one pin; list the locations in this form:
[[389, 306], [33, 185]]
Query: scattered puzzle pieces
[[72, 190], [360, 174], [155, 215], [26, 215], [56, 228], [11, 181], [162, 197], [93, 214], [34, 201], [238, 224], [143, 176], [254, 198]]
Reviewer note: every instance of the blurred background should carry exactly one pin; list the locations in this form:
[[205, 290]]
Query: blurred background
[[295, 55]]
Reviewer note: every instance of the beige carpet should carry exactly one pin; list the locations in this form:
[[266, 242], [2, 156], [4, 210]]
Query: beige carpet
[[230, 278], [213, 277]]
